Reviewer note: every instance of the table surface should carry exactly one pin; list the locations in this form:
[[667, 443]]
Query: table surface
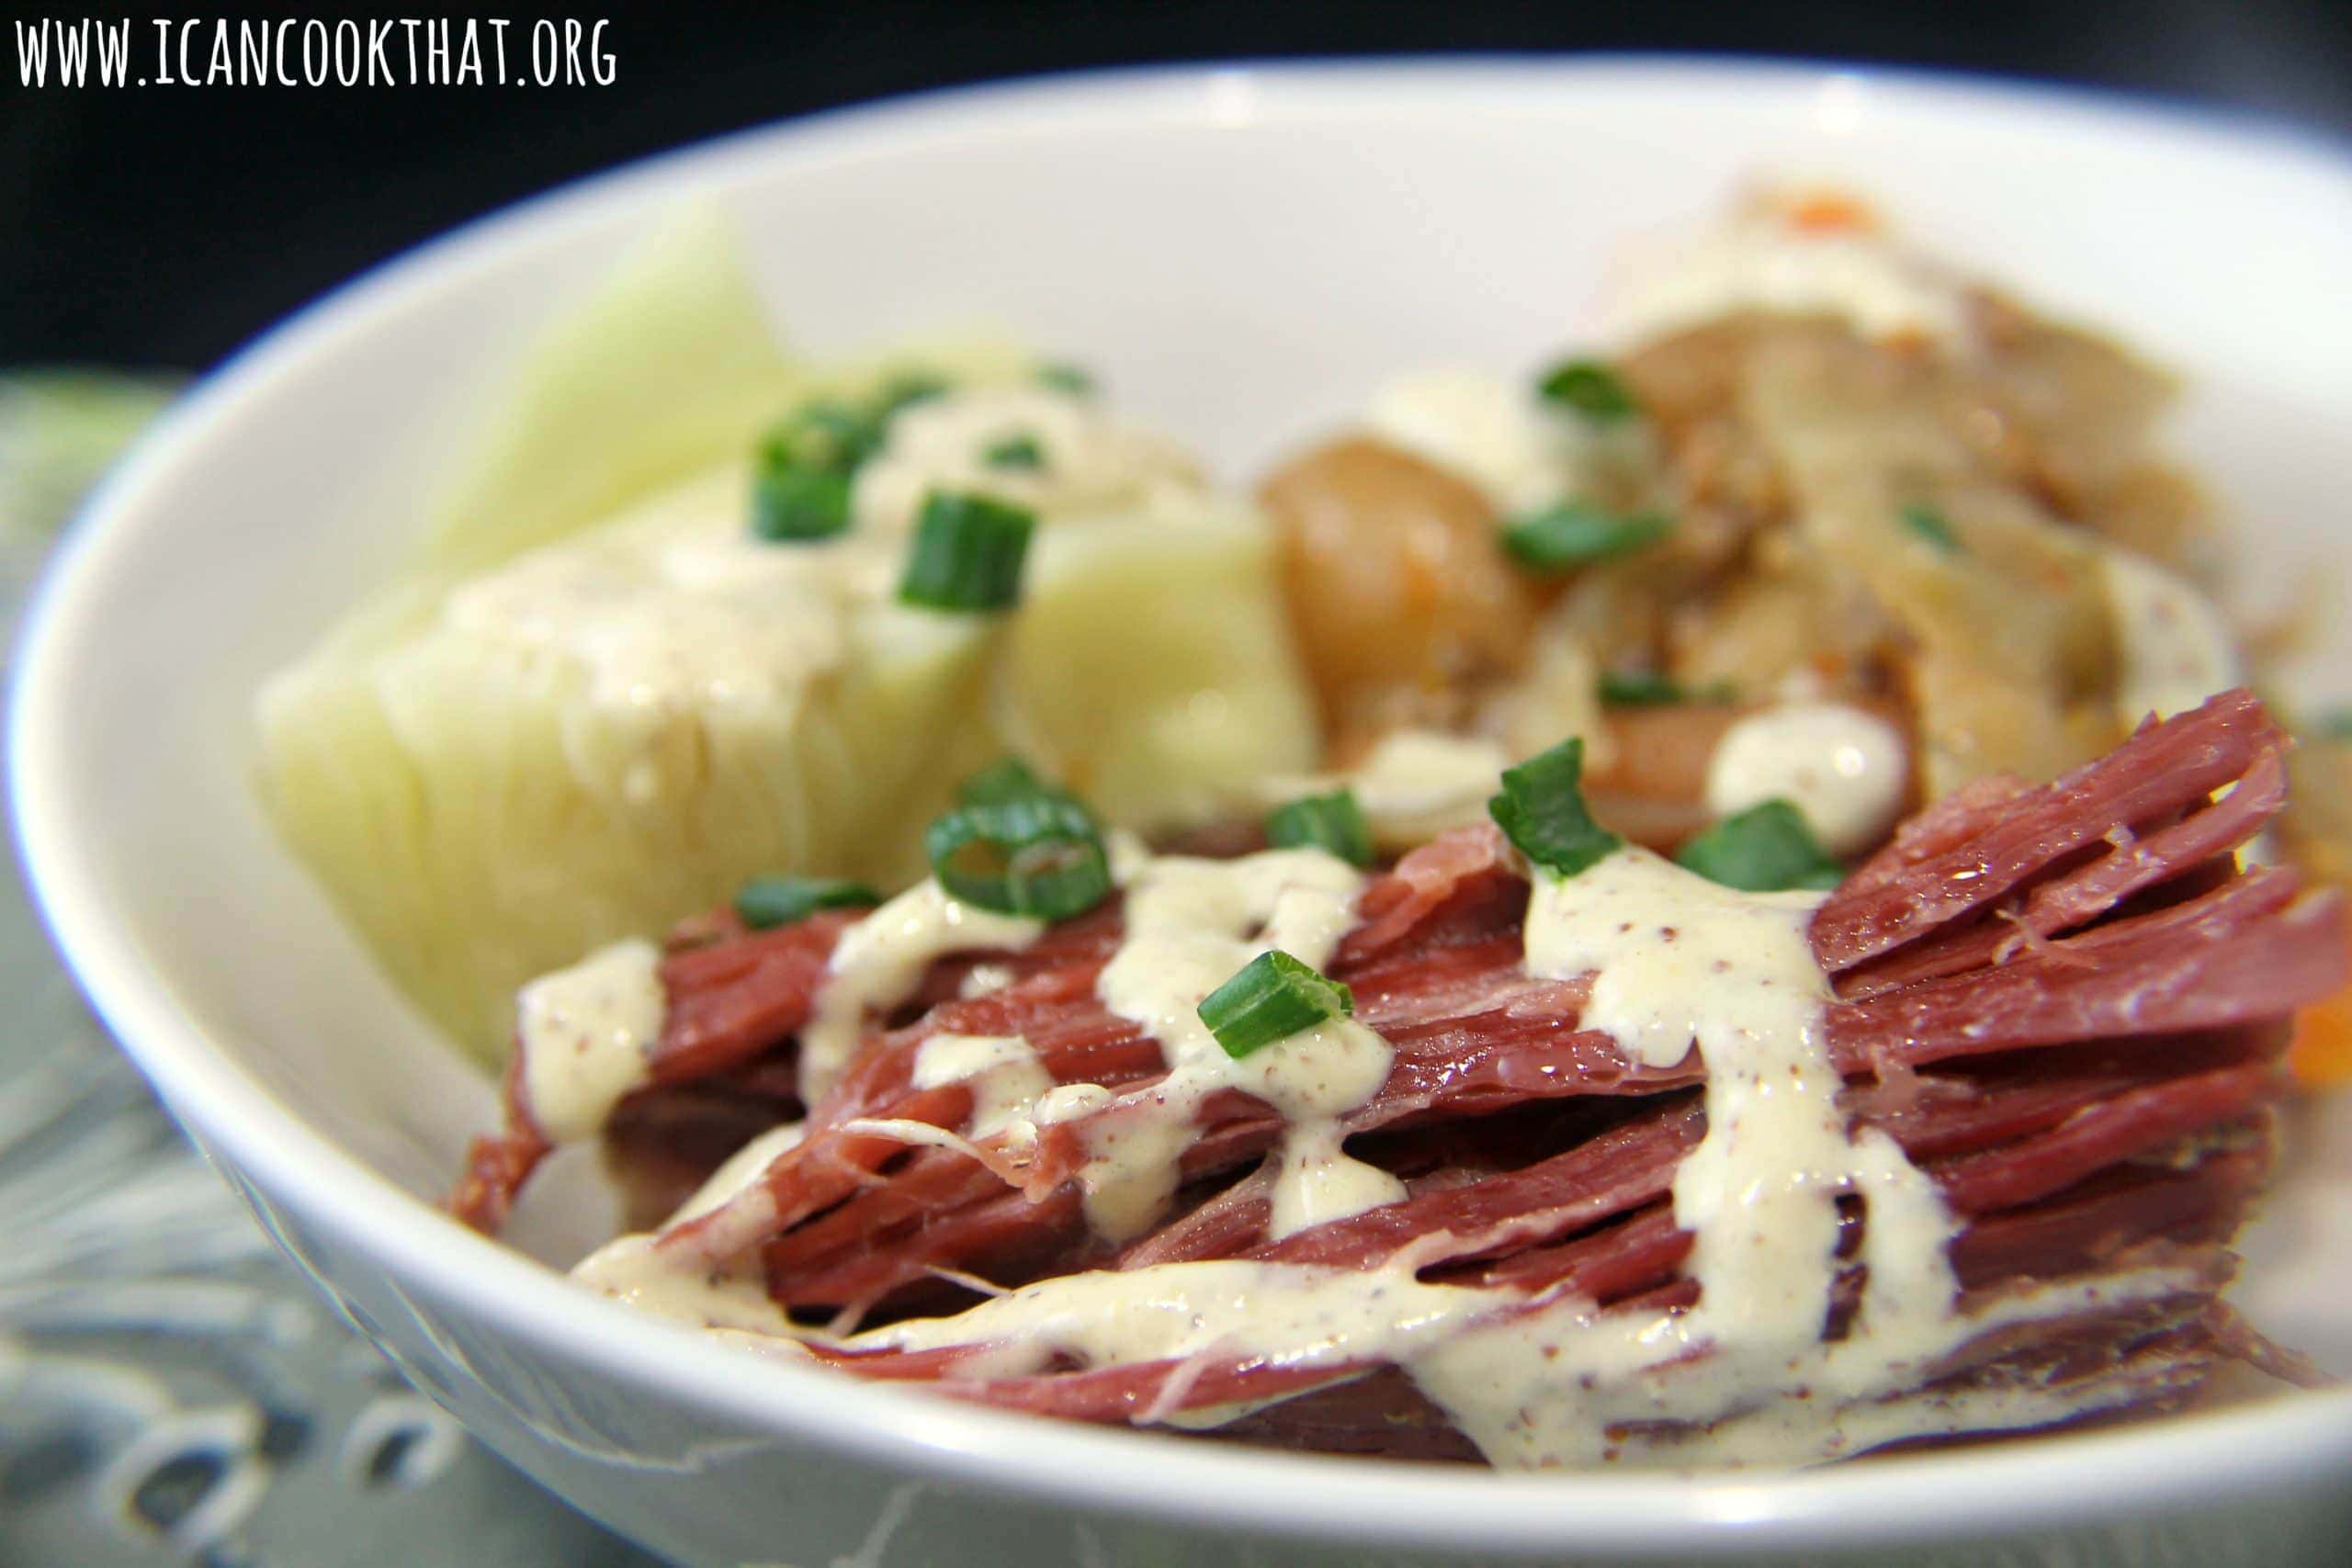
[[171, 1390]]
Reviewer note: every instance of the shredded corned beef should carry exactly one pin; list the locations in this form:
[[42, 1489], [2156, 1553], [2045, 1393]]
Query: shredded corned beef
[[2065, 1004]]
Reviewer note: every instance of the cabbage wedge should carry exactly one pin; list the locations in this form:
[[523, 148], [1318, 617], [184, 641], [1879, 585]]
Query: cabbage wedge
[[600, 703]]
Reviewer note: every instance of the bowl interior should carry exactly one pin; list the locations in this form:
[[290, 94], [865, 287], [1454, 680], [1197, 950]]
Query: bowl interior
[[1241, 254]]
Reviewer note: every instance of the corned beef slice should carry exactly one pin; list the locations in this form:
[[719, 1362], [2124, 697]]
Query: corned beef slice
[[2064, 1002]]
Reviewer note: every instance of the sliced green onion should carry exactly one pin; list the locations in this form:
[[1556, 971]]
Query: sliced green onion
[[967, 553], [1931, 526], [1015, 452], [1590, 388], [1574, 534], [828, 435], [1640, 688], [1270, 998], [1333, 822], [1063, 378], [913, 387], [1019, 845], [1008, 778], [1025, 854], [766, 901], [1765, 849], [1648, 688], [2335, 725], [802, 488], [791, 505], [806, 462], [1541, 810]]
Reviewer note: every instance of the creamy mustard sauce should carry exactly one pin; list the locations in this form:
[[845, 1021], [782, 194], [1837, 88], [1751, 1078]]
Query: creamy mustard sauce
[[675, 615], [1413, 784], [1088, 460], [585, 1033], [679, 608], [1305, 1317], [1679, 962], [740, 1170], [1675, 962], [1070, 1102], [985, 979], [1847, 772], [2174, 647], [1004, 1074], [1559, 1387], [878, 963], [1763, 262], [633, 1270], [1491, 431], [670, 634], [1190, 925], [1533, 1388]]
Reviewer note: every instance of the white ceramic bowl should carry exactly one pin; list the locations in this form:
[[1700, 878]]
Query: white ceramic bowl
[[1242, 251]]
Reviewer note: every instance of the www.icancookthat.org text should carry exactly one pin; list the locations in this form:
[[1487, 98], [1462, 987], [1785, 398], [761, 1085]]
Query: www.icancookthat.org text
[[312, 51]]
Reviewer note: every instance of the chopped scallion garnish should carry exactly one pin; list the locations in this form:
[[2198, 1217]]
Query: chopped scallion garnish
[[1008, 778], [1020, 846], [827, 435], [766, 901], [911, 386], [1269, 1000], [1590, 388], [1035, 854], [796, 505], [1541, 810], [1070, 378], [1574, 534], [967, 553], [808, 462], [1648, 688], [1933, 527], [1014, 452], [1765, 849], [2335, 724], [1333, 822]]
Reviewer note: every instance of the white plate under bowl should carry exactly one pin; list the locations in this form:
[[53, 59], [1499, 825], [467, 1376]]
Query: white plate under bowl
[[1241, 251]]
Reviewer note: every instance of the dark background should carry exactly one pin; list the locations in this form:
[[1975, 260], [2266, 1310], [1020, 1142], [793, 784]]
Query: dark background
[[165, 226]]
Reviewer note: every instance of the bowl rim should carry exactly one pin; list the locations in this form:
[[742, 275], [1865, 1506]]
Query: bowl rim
[[2163, 1466]]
